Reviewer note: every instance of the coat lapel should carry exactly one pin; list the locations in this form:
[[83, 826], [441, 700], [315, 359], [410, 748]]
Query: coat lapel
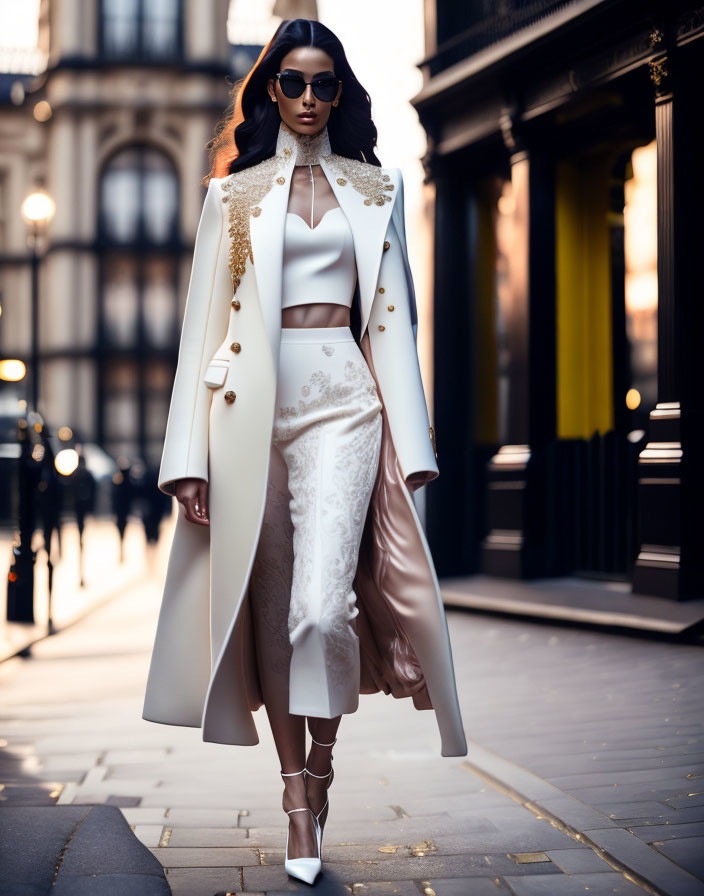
[[367, 222]]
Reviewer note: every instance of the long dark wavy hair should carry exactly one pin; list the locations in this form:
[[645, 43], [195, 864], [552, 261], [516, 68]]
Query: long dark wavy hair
[[248, 131]]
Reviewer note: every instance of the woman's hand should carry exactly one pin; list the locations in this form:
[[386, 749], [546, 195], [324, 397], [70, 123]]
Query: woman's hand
[[193, 494]]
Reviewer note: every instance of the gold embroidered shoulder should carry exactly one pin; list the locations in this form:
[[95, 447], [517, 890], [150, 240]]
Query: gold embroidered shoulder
[[244, 190], [369, 180]]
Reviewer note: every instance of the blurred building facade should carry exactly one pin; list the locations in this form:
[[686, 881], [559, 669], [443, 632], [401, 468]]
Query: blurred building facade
[[568, 317], [115, 130]]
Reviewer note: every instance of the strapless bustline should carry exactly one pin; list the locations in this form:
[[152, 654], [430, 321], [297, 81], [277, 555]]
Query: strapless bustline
[[308, 227]]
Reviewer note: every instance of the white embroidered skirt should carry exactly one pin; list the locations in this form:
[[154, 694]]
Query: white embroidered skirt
[[325, 448]]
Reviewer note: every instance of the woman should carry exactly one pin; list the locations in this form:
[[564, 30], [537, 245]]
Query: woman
[[299, 576]]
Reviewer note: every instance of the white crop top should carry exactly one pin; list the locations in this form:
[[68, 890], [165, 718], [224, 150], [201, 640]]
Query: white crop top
[[318, 264]]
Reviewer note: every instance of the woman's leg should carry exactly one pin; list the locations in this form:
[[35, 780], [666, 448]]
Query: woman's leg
[[270, 591], [319, 763]]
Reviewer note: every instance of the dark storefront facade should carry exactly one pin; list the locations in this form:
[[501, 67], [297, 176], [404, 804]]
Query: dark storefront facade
[[564, 148]]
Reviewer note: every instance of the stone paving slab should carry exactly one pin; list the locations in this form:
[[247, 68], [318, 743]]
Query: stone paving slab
[[687, 853], [463, 886], [658, 832], [579, 861], [576, 885], [629, 793], [199, 837], [204, 881], [206, 857]]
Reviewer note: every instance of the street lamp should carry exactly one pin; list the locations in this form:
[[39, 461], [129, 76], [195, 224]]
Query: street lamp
[[37, 210]]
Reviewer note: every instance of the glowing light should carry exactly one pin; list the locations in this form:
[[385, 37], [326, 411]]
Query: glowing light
[[42, 111], [66, 461], [65, 433], [12, 370], [632, 399], [640, 232], [38, 208]]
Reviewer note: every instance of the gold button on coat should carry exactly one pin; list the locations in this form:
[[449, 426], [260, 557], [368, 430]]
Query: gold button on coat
[[230, 397], [236, 304], [382, 327], [390, 307], [387, 245], [381, 289], [341, 181], [280, 180], [236, 347]]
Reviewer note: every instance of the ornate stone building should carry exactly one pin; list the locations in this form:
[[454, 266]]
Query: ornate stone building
[[568, 316], [115, 130]]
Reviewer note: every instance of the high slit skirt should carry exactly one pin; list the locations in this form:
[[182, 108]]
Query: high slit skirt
[[326, 440]]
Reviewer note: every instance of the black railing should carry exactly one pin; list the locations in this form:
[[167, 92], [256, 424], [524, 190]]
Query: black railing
[[506, 18]]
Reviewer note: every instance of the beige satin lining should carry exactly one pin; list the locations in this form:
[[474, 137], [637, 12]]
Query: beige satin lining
[[392, 567]]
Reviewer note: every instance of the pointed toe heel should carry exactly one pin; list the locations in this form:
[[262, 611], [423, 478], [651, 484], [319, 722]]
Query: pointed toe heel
[[305, 868]]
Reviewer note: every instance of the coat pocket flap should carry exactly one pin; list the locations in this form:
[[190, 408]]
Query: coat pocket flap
[[216, 373]]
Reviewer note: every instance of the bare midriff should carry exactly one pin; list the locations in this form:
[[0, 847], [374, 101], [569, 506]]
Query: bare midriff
[[315, 314]]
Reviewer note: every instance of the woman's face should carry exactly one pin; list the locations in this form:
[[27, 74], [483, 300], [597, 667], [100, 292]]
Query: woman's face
[[306, 114]]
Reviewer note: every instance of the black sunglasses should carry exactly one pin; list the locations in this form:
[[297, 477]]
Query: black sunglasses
[[292, 86]]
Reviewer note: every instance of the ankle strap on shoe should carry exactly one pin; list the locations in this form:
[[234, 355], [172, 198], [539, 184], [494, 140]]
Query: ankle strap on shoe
[[288, 774], [322, 745], [319, 776]]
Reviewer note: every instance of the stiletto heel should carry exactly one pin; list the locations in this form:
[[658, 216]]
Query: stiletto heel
[[326, 775], [305, 868]]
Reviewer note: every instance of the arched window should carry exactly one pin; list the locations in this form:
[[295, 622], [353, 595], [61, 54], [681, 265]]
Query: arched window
[[139, 246], [139, 198], [141, 29]]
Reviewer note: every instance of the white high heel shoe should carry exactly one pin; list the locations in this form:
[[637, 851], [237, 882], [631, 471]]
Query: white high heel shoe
[[326, 775], [305, 868]]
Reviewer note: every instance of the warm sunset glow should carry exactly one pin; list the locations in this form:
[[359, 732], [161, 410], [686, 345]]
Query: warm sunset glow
[[640, 232]]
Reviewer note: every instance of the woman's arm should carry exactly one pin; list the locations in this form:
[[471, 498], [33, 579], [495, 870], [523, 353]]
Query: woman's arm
[[185, 451], [393, 342]]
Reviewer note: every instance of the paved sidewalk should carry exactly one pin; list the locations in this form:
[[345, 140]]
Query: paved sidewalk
[[601, 732], [105, 575], [587, 739]]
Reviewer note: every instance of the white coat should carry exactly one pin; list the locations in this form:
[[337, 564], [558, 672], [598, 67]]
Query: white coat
[[203, 669]]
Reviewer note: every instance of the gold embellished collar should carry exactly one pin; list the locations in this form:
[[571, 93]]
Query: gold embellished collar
[[307, 148]]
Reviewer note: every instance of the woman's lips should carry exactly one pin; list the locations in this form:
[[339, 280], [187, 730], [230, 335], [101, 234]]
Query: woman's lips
[[307, 117]]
